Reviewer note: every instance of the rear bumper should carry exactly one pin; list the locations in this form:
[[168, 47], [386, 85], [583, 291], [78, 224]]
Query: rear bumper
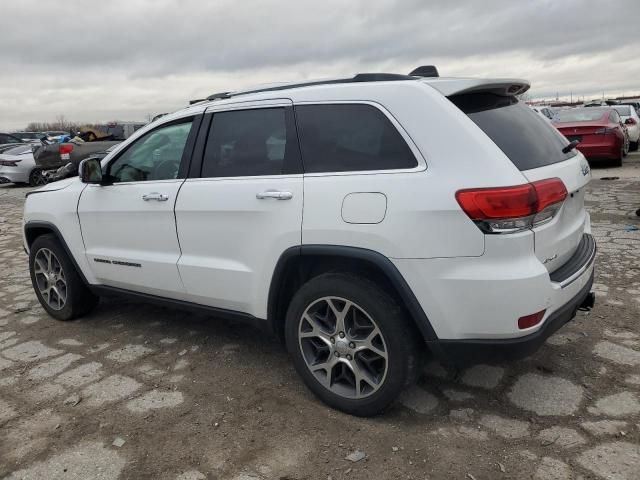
[[462, 353], [608, 151]]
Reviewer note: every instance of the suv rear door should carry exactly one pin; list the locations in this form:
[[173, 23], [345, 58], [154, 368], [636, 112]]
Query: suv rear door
[[535, 148], [242, 205]]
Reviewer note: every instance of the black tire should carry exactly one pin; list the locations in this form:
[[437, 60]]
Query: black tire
[[79, 299], [36, 178], [401, 340], [617, 162], [633, 146]]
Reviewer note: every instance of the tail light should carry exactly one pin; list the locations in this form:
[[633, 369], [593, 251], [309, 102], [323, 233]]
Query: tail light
[[605, 131], [9, 163], [65, 148], [529, 321], [630, 121], [513, 209]]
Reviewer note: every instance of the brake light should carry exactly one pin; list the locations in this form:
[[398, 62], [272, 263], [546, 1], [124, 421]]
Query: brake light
[[529, 321], [630, 121], [605, 131], [65, 148], [512, 209]]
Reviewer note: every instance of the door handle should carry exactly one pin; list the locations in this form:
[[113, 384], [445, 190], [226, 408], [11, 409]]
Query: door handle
[[159, 197], [277, 194]]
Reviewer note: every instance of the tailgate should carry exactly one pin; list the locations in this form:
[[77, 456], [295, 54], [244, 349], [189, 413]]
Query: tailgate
[[557, 240]]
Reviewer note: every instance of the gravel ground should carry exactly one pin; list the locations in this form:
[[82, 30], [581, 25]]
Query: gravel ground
[[136, 391]]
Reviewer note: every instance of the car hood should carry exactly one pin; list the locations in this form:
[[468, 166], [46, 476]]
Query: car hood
[[59, 185]]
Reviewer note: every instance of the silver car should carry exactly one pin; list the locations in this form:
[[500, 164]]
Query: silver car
[[18, 166]]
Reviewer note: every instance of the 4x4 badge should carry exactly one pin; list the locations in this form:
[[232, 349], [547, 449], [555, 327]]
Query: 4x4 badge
[[584, 166]]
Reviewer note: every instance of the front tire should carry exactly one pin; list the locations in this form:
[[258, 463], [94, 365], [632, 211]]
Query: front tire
[[351, 343], [57, 284]]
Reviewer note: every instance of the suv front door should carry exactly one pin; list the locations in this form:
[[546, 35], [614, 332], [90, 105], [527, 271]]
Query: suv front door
[[243, 208], [128, 226]]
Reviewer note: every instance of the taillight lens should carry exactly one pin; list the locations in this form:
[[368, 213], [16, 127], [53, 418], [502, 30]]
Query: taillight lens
[[605, 131], [65, 148], [512, 209], [630, 121], [529, 321], [9, 163]]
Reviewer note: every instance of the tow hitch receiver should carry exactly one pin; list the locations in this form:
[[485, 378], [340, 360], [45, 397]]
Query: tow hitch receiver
[[588, 303]]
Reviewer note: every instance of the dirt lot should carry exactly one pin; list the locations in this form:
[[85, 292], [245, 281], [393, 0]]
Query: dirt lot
[[135, 391]]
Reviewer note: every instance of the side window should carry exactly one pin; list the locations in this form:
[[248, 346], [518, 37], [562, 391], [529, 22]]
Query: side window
[[350, 137], [250, 143], [155, 156]]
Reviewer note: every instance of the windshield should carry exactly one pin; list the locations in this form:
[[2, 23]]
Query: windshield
[[524, 136], [581, 115], [624, 110]]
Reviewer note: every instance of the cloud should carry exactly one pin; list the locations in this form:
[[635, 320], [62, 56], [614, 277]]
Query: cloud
[[95, 61]]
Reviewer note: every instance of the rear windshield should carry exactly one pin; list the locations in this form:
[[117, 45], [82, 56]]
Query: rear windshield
[[581, 115], [525, 137]]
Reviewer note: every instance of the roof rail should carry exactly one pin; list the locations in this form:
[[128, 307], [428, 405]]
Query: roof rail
[[360, 77]]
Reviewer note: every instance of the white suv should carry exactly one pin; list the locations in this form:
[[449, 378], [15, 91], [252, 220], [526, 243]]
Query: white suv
[[366, 221]]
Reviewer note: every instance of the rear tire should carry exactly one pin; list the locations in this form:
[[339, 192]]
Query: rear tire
[[361, 363], [617, 162], [58, 286]]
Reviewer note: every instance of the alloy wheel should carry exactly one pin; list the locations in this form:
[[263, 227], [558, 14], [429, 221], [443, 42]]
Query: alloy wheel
[[343, 347], [50, 279]]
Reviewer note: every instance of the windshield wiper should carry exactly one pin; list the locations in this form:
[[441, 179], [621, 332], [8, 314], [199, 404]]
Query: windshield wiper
[[573, 144]]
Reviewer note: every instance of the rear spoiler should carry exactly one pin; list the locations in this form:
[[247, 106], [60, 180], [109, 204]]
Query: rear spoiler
[[499, 86]]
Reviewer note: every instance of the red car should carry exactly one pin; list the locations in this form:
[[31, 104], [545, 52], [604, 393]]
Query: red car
[[599, 131]]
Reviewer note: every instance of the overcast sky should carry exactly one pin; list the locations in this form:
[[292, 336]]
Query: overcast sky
[[95, 60]]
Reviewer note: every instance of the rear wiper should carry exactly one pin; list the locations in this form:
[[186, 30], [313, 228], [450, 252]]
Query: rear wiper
[[573, 144]]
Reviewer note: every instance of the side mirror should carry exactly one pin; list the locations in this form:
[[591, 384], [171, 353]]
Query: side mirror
[[90, 171]]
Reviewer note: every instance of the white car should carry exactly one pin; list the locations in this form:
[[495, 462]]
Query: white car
[[367, 221], [545, 111], [18, 166], [631, 120]]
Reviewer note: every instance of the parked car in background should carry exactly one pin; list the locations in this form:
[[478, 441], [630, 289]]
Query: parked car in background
[[601, 103], [30, 137], [544, 111], [18, 166], [7, 138], [634, 103], [631, 120], [599, 131], [71, 168], [99, 139]]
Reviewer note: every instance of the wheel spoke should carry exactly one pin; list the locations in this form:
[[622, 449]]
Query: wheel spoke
[[367, 344], [343, 347], [340, 314], [50, 279]]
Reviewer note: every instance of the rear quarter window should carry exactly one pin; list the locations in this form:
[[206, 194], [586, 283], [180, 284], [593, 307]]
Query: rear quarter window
[[526, 138], [349, 138]]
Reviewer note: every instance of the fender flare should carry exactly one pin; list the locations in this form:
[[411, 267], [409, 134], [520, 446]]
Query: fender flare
[[33, 225], [370, 256]]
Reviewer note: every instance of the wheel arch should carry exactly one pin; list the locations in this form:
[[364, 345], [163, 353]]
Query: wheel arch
[[35, 229], [298, 264]]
